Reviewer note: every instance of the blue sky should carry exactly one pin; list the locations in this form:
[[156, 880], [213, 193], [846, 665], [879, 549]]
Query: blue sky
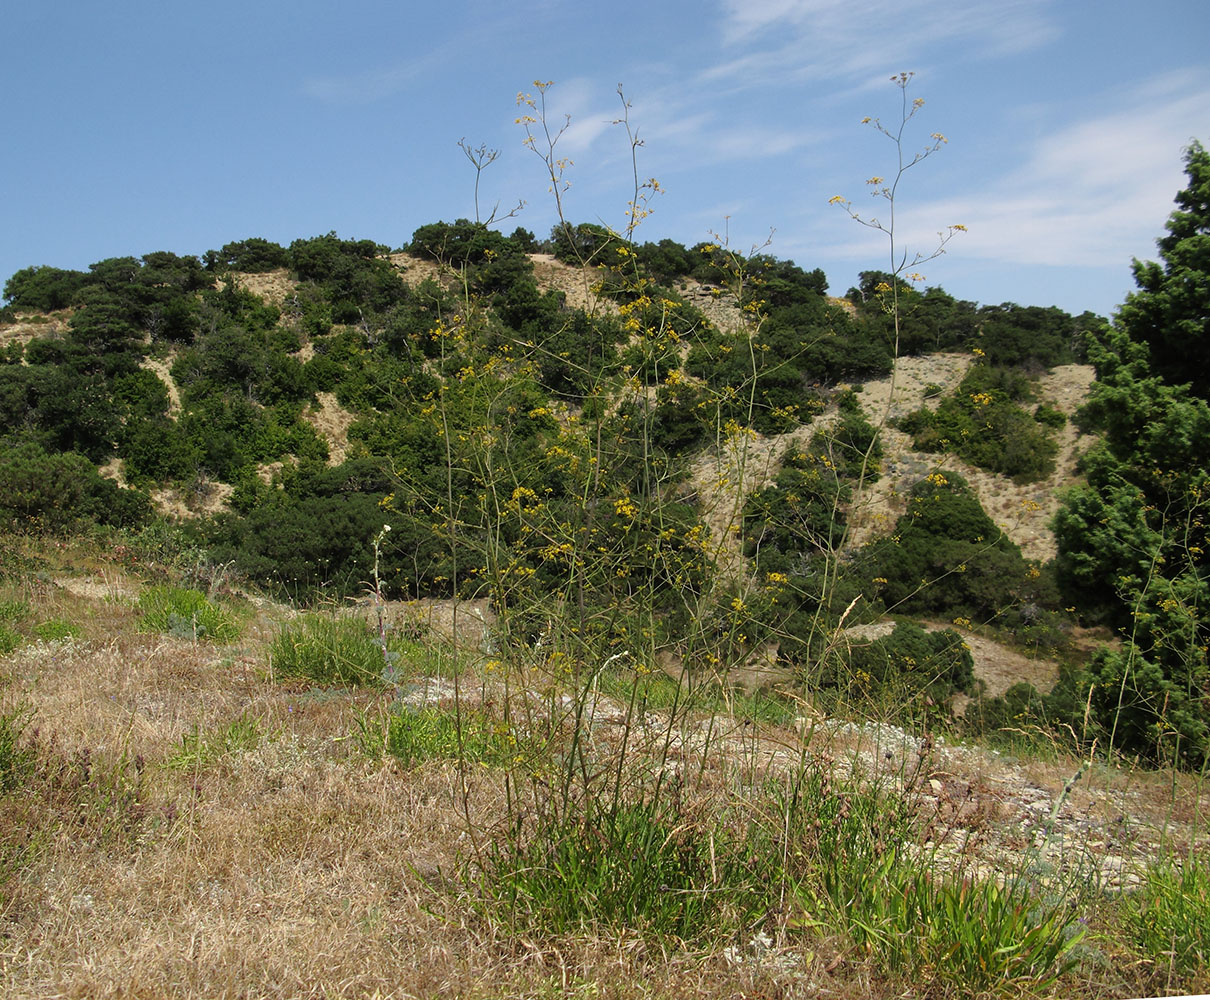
[[140, 126]]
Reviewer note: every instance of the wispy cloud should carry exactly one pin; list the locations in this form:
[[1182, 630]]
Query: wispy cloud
[[1092, 194], [810, 39]]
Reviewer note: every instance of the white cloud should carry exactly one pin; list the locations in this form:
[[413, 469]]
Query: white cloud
[[1093, 194], [811, 39]]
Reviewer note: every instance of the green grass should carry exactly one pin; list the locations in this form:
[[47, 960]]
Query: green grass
[[199, 749], [643, 865], [16, 759], [336, 652], [56, 630], [431, 733], [862, 872], [186, 614], [1168, 918], [11, 613]]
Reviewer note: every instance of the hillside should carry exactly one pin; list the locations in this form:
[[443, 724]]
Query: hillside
[[450, 280]]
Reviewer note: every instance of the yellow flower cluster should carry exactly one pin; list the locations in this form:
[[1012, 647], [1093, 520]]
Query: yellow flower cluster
[[625, 507]]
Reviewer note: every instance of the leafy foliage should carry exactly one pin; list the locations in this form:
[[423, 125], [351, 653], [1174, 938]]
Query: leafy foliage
[[1133, 540], [946, 556], [910, 661], [48, 492]]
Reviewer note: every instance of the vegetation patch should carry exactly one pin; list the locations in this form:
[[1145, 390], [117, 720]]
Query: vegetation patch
[[984, 423], [466, 734], [186, 614], [336, 651]]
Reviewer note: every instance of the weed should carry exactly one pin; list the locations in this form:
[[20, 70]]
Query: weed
[[16, 758], [335, 651], [185, 614], [647, 865], [862, 871], [431, 733], [56, 630], [11, 613], [1168, 918], [201, 749]]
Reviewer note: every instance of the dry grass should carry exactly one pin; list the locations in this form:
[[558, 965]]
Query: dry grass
[[294, 865]]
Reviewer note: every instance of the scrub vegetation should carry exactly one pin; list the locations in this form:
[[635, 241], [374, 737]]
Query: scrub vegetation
[[504, 615]]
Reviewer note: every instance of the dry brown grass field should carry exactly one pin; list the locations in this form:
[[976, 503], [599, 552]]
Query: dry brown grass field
[[189, 823]]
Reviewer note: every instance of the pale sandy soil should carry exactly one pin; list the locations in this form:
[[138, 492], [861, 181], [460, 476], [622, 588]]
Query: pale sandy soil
[[332, 421], [163, 371], [27, 327], [1025, 511]]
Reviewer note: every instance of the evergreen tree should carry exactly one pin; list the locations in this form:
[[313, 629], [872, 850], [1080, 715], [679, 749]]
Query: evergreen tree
[[1171, 310], [1134, 540]]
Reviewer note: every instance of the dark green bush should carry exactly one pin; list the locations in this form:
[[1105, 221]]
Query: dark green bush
[[946, 556], [909, 661], [1010, 718], [251, 256], [44, 289], [40, 491]]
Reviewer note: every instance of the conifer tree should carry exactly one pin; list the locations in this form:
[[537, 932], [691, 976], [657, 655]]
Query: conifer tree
[[1170, 312]]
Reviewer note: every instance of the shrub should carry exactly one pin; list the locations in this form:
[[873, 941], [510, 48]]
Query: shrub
[[1050, 416], [1005, 718], [983, 423], [185, 614], [52, 492], [334, 651], [252, 256], [946, 556]]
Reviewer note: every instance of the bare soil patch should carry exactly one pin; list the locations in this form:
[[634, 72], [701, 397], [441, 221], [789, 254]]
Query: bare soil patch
[[1023, 511], [162, 369], [332, 421], [29, 326], [274, 286]]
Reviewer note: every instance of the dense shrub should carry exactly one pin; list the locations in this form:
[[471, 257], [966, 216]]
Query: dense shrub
[[909, 661], [251, 256], [946, 556], [44, 289], [41, 491], [983, 423]]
